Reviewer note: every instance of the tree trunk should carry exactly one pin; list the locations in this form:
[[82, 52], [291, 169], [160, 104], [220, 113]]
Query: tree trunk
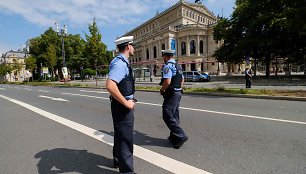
[[267, 61], [304, 65]]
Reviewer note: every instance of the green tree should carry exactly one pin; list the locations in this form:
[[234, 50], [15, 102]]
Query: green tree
[[264, 30], [95, 49], [3, 71], [51, 57], [74, 47], [31, 65]]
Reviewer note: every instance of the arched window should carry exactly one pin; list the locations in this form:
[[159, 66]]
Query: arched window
[[183, 48], [192, 47], [163, 46], [147, 51], [154, 52], [201, 47]]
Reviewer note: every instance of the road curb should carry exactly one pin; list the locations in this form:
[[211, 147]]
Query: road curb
[[243, 96], [288, 98]]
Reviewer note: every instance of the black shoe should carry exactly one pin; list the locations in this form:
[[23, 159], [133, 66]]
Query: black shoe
[[171, 139], [180, 143]]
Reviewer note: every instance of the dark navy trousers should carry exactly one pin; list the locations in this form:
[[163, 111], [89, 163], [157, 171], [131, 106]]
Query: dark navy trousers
[[171, 115], [248, 82], [123, 121]]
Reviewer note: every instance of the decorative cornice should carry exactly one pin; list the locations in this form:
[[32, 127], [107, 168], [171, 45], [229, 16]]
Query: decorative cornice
[[180, 2]]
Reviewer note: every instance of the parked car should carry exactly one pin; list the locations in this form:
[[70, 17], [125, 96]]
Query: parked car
[[206, 75], [76, 77], [195, 76]]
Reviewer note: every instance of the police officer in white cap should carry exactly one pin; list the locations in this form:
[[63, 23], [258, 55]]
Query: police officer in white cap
[[171, 89], [121, 86]]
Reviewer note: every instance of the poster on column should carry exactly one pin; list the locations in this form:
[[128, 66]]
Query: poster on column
[[173, 45], [45, 70], [65, 72]]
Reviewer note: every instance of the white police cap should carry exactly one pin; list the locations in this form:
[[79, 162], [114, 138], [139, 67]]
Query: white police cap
[[124, 40], [168, 52]]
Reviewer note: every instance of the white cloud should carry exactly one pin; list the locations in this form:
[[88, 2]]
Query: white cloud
[[4, 48], [82, 12], [77, 12]]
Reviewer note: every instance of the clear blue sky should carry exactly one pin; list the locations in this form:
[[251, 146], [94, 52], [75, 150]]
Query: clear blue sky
[[24, 19]]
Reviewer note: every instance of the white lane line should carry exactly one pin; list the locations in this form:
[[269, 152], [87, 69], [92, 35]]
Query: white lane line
[[52, 98], [89, 96], [99, 92], [27, 89], [209, 111], [43, 91], [157, 159], [2, 89]]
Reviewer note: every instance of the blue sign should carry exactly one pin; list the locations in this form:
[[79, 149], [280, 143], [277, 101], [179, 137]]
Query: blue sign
[[173, 45]]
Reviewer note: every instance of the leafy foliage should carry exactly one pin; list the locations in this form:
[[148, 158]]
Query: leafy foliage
[[47, 50], [263, 29], [95, 49]]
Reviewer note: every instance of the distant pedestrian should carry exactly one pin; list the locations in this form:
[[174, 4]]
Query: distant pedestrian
[[121, 86], [171, 89], [248, 76]]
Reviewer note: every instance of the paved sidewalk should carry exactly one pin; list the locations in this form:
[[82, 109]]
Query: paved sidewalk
[[223, 81], [226, 82]]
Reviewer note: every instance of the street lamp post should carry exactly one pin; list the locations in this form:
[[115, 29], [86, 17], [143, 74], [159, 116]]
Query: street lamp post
[[63, 33], [26, 50]]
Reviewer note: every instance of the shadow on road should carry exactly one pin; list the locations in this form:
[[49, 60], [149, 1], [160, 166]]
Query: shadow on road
[[63, 160], [144, 139]]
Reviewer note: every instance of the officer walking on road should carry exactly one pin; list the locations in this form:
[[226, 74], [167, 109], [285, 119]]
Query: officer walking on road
[[171, 89], [248, 76], [121, 86]]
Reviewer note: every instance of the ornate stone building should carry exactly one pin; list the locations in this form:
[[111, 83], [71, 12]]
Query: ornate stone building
[[184, 27], [16, 60]]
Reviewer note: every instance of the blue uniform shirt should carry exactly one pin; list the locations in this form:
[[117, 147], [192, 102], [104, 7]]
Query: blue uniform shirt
[[169, 70], [118, 70]]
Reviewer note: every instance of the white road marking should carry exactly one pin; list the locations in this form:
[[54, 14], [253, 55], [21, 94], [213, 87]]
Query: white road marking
[[157, 159], [89, 96], [52, 98], [99, 92], [28, 89], [2, 89], [208, 111], [43, 91]]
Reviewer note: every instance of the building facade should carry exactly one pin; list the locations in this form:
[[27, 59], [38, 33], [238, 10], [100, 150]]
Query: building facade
[[16, 61], [184, 27]]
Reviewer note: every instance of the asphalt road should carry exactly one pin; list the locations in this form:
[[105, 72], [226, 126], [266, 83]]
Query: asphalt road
[[50, 130]]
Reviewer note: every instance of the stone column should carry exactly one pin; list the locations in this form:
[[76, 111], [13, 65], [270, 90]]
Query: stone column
[[198, 46], [177, 47], [187, 47], [159, 50]]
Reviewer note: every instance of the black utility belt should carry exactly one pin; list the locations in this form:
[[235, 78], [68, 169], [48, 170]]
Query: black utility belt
[[112, 99]]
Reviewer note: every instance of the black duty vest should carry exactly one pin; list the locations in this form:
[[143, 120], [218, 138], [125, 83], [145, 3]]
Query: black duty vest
[[176, 80], [127, 84]]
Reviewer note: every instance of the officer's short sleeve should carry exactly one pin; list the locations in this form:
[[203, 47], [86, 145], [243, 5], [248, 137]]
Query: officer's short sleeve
[[167, 72], [117, 71]]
